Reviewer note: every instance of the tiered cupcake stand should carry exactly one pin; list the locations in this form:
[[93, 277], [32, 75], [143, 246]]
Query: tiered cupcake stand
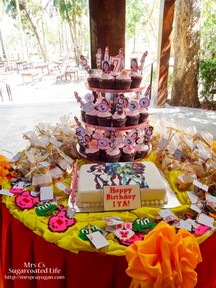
[[112, 94]]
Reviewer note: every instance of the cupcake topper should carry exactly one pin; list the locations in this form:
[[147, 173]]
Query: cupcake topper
[[98, 58], [142, 61], [80, 130], [135, 136], [144, 102], [80, 135], [121, 55], [102, 107], [106, 54], [77, 121], [147, 92], [119, 108], [85, 65], [106, 66], [118, 61], [129, 141], [78, 98], [132, 105], [103, 143], [112, 140], [89, 97], [134, 64]]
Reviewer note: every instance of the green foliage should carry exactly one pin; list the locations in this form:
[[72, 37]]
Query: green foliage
[[208, 76], [208, 29], [135, 16], [208, 48], [70, 9]]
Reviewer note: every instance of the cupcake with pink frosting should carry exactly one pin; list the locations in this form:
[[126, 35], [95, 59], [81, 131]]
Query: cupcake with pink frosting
[[104, 115], [128, 153], [132, 113], [91, 117], [119, 120], [136, 78], [141, 150], [92, 152], [113, 154], [143, 115], [103, 145], [123, 81], [93, 79], [143, 109], [107, 81]]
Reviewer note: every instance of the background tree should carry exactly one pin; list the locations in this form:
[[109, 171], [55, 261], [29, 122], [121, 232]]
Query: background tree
[[186, 53], [208, 52], [72, 13], [4, 56], [31, 11], [140, 22]]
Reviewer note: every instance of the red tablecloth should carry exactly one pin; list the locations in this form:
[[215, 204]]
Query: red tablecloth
[[22, 249]]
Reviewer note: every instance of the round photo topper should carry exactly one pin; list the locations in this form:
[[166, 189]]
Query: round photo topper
[[80, 130], [133, 105], [102, 107], [128, 141], [88, 107], [103, 143], [144, 102], [89, 97]]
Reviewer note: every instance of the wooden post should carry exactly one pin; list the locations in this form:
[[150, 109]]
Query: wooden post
[[107, 26], [164, 45]]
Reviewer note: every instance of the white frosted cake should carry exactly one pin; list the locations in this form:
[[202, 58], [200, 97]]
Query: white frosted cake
[[93, 177]]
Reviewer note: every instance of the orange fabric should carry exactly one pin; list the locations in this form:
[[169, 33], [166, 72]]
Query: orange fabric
[[164, 259]]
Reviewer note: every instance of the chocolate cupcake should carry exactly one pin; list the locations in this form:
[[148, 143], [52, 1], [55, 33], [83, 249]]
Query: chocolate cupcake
[[91, 117], [136, 78], [93, 153], [132, 117], [93, 80], [107, 81], [113, 154], [83, 115], [128, 153], [103, 144], [104, 118], [143, 115], [118, 120], [141, 150], [123, 81]]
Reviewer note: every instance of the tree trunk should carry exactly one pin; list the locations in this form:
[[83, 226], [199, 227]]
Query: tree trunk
[[34, 28], [3, 48], [186, 49]]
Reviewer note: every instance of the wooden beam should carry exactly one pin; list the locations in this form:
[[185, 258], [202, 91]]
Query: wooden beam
[[107, 26], [164, 46]]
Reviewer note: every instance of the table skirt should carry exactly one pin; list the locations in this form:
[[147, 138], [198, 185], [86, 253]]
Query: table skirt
[[23, 249]]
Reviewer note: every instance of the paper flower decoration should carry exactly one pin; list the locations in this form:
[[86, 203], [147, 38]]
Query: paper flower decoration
[[5, 167], [163, 259]]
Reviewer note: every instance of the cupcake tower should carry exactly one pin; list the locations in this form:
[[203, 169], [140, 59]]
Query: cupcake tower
[[114, 126]]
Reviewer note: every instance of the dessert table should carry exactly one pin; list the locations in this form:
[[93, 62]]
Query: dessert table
[[23, 249]]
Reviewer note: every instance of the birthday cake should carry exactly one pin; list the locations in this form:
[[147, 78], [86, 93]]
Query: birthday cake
[[94, 177]]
